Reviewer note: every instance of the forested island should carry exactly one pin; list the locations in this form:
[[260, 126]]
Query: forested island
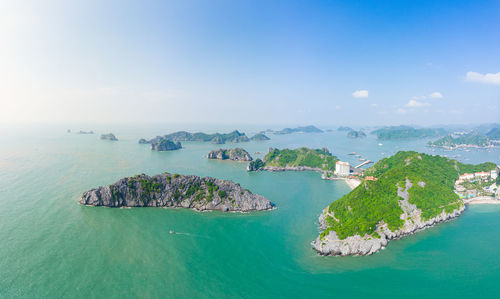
[[306, 129], [452, 141], [407, 132], [260, 137], [494, 135], [320, 160], [216, 138], [400, 195], [234, 154], [174, 190]]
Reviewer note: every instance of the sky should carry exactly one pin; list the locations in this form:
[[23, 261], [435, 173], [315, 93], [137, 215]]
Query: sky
[[249, 62]]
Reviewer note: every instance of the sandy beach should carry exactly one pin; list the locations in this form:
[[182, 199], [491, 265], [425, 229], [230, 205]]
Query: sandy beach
[[482, 200], [352, 183]]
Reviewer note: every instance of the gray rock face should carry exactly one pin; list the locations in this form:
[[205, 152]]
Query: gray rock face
[[143, 141], [235, 154], [165, 145], [369, 244], [217, 140], [109, 136], [167, 190]]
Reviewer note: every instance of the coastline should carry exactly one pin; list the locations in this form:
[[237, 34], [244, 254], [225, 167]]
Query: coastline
[[352, 183], [481, 200]]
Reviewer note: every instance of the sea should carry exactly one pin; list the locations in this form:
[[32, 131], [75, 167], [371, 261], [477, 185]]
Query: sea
[[53, 247]]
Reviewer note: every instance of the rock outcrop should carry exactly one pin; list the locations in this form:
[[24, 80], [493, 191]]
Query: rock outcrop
[[110, 137], [235, 154], [167, 190], [259, 137], [165, 145], [331, 244], [216, 138]]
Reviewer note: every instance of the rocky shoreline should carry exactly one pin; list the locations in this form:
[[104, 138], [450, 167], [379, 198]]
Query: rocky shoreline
[[234, 154], [332, 245], [177, 191]]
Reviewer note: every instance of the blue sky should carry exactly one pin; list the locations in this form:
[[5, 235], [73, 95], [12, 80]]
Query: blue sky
[[270, 62]]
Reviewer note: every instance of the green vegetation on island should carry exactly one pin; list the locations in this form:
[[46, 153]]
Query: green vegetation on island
[[306, 129], [494, 134], [474, 139], [320, 159], [374, 202], [260, 137], [216, 138], [406, 132]]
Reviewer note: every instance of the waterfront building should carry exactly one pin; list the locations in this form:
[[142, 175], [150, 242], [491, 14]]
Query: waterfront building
[[342, 168]]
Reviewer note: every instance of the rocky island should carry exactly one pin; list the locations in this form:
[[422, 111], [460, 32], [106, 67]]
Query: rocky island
[[165, 145], [110, 137], [454, 141], [306, 129], [176, 191], [399, 196], [216, 138], [301, 159], [85, 132], [234, 154], [407, 132], [356, 134], [259, 137]]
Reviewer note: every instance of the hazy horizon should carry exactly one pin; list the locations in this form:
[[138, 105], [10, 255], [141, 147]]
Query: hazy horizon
[[226, 62]]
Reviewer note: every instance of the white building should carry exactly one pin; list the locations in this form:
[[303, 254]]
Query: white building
[[482, 174], [494, 174], [342, 168], [466, 176]]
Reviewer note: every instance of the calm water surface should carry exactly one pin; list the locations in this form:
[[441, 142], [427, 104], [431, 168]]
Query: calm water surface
[[50, 246]]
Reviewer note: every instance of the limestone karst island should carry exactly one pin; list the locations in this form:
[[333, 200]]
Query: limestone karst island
[[250, 149]]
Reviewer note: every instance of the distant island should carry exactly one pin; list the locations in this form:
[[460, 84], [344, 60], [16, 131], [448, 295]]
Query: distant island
[[407, 132], [217, 138], [494, 135], [453, 141], [320, 160], [110, 137], [356, 134], [174, 190], [344, 129], [260, 137], [306, 129], [165, 145], [234, 154], [399, 196], [84, 132]]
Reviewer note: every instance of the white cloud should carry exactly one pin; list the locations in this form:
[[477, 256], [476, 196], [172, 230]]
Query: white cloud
[[360, 94], [489, 78], [419, 98], [436, 95], [373, 105], [401, 111], [416, 104]]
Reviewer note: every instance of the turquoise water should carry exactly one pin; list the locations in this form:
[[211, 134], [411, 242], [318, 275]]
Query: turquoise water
[[53, 247]]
